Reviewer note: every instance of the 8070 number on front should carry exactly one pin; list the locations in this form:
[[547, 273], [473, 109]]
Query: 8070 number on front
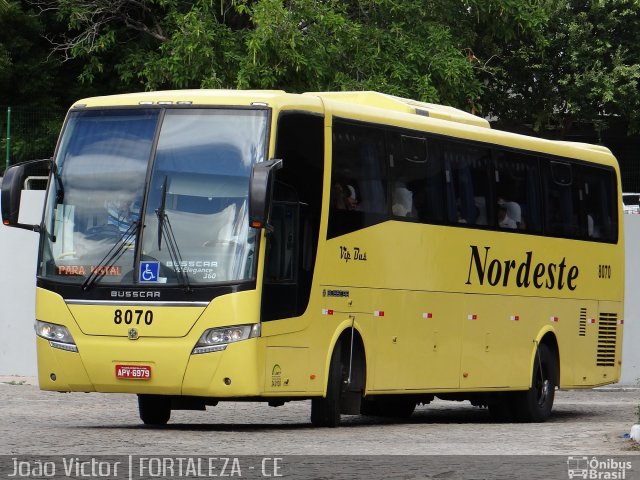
[[132, 317]]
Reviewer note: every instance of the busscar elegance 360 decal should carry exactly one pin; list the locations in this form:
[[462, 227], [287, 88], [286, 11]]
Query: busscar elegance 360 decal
[[523, 273]]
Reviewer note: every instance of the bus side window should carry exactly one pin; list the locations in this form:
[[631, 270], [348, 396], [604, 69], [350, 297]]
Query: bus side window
[[417, 187], [370, 183], [358, 179], [561, 200], [599, 194], [517, 188], [467, 181], [408, 158]]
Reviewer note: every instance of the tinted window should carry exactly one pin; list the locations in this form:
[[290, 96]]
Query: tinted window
[[518, 191], [600, 200], [358, 178], [439, 181], [467, 184], [417, 179], [561, 199]]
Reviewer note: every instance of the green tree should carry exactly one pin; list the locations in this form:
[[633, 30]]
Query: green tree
[[584, 68], [423, 50], [34, 83], [26, 77]]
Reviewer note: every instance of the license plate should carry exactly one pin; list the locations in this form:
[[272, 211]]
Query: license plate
[[133, 372]]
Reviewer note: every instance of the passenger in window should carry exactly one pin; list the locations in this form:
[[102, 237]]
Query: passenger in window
[[402, 201], [504, 220], [345, 197], [351, 200], [515, 213]]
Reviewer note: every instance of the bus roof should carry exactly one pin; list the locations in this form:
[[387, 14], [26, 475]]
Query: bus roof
[[182, 97], [390, 102], [371, 105], [205, 97]]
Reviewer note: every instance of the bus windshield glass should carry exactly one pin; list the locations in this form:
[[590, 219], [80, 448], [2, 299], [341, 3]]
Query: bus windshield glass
[[136, 210]]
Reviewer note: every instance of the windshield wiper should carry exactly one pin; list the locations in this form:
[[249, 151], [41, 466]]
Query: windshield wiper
[[165, 231], [112, 255], [59, 193], [58, 178]]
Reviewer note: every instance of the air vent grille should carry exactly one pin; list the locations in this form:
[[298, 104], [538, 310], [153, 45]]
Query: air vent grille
[[607, 334], [582, 326]]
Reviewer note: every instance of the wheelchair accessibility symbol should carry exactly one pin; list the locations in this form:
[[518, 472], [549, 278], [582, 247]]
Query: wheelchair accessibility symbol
[[149, 271]]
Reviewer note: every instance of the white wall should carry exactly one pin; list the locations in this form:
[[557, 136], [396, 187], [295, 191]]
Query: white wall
[[631, 342], [17, 290], [17, 294]]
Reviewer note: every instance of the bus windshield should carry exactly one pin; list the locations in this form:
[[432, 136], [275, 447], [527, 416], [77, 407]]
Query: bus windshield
[[129, 209]]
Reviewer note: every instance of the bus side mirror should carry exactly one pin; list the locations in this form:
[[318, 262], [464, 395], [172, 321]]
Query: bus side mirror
[[13, 183], [261, 192]]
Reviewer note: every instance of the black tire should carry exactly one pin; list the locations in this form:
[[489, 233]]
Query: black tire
[[154, 409], [325, 412], [534, 405]]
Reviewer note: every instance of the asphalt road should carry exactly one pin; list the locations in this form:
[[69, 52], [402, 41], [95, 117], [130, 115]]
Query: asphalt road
[[442, 440], [583, 422]]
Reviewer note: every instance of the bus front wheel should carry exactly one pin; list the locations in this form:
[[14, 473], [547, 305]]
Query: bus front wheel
[[325, 411], [154, 409], [534, 405]]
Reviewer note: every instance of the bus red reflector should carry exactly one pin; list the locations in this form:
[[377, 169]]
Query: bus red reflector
[[378, 313]]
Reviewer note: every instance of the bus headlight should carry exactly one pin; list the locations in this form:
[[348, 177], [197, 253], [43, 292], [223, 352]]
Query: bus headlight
[[58, 335], [217, 339]]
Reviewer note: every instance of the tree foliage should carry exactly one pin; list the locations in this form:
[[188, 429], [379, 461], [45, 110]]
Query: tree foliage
[[584, 68], [547, 63], [423, 50], [33, 82]]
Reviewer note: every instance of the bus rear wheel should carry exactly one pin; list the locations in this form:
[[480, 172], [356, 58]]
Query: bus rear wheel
[[534, 405], [154, 409]]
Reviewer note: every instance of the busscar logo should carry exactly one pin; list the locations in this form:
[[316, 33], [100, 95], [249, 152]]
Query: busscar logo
[[525, 272], [135, 294]]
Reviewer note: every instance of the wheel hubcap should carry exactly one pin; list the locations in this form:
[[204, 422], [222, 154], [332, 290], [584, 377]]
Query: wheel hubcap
[[543, 392]]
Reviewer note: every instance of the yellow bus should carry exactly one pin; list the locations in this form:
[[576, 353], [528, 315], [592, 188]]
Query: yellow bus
[[366, 252]]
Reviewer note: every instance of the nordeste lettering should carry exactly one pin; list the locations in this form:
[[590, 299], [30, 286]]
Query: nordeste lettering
[[522, 273]]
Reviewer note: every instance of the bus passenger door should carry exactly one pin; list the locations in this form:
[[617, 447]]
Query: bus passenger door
[[295, 217], [280, 273]]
